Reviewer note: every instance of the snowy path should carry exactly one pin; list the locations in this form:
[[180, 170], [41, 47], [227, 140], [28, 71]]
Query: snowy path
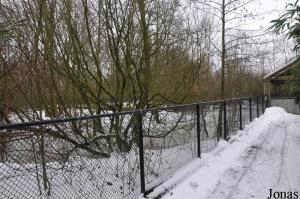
[[274, 164], [264, 156]]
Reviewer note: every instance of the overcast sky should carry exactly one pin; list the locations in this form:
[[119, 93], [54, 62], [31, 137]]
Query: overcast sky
[[254, 19], [269, 10]]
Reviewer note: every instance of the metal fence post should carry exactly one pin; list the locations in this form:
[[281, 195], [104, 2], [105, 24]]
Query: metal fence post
[[141, 150], [241, 117], [267, 104], [257, 106], [250, 109], [198, 131], [263, 104], [225, 121]]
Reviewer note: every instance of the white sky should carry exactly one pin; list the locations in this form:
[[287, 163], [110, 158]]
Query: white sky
[[254, 19], [273, 10], [267, 10], [270, 9]]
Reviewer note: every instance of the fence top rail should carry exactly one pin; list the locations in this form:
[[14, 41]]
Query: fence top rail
[[91, 117]]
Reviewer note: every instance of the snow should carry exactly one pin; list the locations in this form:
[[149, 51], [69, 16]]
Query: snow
[[86, 176], [228, 168], [259, 158]]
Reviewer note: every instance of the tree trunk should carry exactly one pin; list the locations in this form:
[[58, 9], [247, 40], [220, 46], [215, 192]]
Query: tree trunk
[[223, 54]]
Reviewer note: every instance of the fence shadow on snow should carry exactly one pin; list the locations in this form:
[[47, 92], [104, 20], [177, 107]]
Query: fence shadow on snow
[[117, 155]]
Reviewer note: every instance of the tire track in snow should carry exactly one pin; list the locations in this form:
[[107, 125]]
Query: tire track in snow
[[246, 170], [294, 127], [283, 171], [280, 172]]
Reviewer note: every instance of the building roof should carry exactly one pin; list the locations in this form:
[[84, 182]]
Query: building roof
[[282, 69]]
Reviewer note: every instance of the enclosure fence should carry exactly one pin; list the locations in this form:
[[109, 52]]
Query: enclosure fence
[[114, 155]]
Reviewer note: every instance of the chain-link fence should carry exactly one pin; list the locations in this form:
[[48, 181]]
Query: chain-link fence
[[115, 155]]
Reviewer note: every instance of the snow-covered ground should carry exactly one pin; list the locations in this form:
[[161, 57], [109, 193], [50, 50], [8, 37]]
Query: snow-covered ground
[[87, 176], [264, 156]]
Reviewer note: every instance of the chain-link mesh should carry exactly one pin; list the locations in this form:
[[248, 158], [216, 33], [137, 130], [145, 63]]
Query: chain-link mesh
[[232, 117], [86, 159], [253, 107], [209, 117], [169, 142], [100, 157], [245, 112]]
